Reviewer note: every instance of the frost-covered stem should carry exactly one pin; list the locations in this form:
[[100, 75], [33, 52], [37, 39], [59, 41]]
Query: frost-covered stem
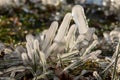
[[116, 60], [94, 43]]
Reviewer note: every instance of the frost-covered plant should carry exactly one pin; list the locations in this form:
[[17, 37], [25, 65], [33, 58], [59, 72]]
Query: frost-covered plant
[[34, 57], [65, 46], [63, 43], [68, 46], [113, 37]]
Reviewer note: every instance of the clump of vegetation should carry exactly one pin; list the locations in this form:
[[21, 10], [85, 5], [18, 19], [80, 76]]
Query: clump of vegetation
[[69, 51]]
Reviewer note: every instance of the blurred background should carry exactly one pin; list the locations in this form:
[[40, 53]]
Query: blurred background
[[21, 17]]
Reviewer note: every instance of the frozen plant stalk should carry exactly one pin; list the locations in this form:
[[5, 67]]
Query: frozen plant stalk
[[80, 19]]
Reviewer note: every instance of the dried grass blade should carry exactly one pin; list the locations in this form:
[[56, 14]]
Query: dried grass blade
[[19, 69], [71, 65], [116, 51], [68, 54], [94, 43], [7, 78], [113, 58], [116, 61], [108, 66], [42, 75], [91, 56]]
